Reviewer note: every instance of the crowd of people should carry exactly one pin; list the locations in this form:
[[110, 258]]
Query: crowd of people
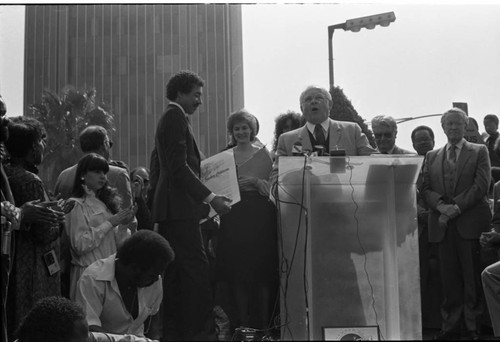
[[120, 255]]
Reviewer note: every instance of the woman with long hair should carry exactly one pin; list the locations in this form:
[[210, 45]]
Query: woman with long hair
[[96, 225]]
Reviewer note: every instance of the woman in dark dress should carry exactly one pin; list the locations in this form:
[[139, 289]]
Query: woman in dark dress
[[247, 254]]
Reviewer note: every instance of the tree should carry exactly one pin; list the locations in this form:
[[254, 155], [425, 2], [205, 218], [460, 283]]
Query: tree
[[343, 110], [64, 117]]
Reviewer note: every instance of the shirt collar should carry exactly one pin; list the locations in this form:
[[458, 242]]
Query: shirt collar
[[325, 124], [458, 145], [178, 105], [107, 271]]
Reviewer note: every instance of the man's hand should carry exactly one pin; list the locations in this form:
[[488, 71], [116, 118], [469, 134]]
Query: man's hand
[[443, 221], [449, 210], [489, 239], [221, 204], [37, 212]]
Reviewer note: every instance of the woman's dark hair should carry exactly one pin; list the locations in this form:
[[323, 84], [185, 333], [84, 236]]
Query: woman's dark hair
[[52, 319], [108, 195], [281, 120], [244, 116], [183, 82], [144, 247], [24, 133]]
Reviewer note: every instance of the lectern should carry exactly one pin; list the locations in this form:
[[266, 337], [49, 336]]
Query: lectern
[[349, 245]]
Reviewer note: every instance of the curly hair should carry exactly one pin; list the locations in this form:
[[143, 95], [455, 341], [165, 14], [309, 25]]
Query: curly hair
[[241, 116], [24, 132], [295, 118], [183, 82], [143, 247], [52, 319], [107, 194]]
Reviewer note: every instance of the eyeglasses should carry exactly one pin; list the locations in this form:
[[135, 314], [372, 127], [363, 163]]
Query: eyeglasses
[[383, 135], [109, 142], [317, 98]]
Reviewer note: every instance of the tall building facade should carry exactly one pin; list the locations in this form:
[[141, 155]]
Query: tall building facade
[[128, 53]]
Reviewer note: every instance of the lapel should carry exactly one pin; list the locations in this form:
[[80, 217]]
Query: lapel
[[464, 156], [303, 137], [335, 134], [437, 166]]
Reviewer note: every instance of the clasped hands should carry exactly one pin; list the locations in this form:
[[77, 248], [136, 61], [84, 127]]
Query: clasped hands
[[252, 183], [448, 212]]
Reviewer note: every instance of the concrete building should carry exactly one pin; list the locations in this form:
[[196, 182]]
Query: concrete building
[[128, 53]]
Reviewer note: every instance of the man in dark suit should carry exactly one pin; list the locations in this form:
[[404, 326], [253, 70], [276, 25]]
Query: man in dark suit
[[180, 201], [456, 180]]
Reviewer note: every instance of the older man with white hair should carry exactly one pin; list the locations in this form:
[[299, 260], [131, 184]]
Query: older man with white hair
[[320, 132], [456, 181], [385, 130]]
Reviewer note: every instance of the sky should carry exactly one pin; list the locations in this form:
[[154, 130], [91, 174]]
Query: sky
[[431, 56]]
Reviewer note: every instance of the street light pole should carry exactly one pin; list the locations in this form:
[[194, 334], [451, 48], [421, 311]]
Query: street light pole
[[354, 25], [331, 30]]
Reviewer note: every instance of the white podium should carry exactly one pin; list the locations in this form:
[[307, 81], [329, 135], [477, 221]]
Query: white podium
[[350, 257]]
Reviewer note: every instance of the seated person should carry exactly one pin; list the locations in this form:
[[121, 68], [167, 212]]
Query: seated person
[[120, 292], [57, 319], [140, 188], [53, 319], [491, 274]]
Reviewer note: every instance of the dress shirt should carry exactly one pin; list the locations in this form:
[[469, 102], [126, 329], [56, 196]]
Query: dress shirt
[[326, 128], [98, 293], [458, 148]]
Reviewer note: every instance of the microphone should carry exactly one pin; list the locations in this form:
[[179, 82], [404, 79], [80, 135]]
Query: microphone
[[297, 149]]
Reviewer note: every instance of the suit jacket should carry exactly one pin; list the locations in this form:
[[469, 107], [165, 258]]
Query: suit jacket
[[472, 179], [343, 135], [117, 178], [179, 193]]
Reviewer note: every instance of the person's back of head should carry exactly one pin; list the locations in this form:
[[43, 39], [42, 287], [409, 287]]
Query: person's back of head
[[54, 319], [24, 133], [92, 139]]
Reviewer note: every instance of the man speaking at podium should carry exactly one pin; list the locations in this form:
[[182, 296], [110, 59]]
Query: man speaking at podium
[[320, 133]]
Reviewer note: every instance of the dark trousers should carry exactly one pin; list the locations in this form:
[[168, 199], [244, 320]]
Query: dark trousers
[[460, 265], [5, 284], [187, 302]]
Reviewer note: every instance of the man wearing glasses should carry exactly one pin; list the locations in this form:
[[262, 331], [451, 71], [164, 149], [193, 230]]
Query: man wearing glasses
[[385, 130], [320, 133]]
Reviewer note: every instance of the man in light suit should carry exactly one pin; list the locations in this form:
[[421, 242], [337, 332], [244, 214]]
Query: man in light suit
[[94, 139], [180, 200], [385, 130], [320, 132], [456, 181]]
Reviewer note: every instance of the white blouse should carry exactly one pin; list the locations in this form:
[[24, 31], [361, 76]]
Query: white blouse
[[91, 235]]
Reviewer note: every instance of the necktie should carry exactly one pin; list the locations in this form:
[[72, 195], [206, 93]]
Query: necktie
[[319, 135], [452, 154]]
